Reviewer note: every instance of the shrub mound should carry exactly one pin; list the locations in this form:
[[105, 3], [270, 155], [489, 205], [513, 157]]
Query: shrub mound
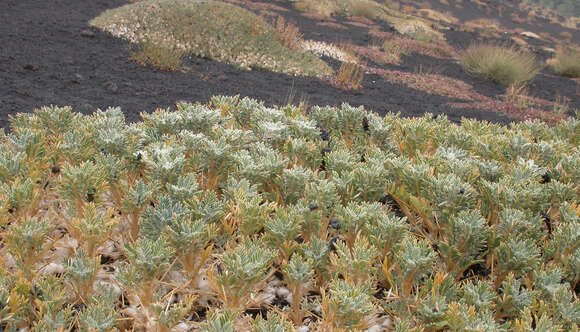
[[567, 63], [210, 29], [350, 219], [505, 65]]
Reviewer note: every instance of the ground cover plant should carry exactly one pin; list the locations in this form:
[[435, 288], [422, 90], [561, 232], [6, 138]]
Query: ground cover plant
[[234, 216], [211, 29]]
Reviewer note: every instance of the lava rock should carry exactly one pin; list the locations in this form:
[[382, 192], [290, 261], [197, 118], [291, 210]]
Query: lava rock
[[87, 33]]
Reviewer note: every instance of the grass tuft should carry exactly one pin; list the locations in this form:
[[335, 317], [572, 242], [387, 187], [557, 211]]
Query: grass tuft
[[567, 63], [505, 65]]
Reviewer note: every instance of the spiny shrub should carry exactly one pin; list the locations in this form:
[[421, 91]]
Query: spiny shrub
[[334, 218], [504, 65]]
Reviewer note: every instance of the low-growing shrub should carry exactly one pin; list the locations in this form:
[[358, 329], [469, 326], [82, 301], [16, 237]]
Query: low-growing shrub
[[235, 216], [567, 62], [505, 65]]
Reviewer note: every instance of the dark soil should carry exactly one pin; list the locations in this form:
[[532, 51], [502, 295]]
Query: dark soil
[[50, 55]]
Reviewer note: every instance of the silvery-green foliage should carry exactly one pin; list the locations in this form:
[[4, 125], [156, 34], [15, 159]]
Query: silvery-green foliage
[[198, 118], [479, 294], [292, 183], [17, 195], [185, 189], [340, 161], [386, 231], [76, 146], [54, 314], [358, 216], [165, 162], [415, 260], [489, 170], [368, 182], [348, 303], [28, 141], [137, 197], [274, 133], [284, 226], [220, 322], [537, 324], [100, 314], [448, 195], [81, 183], [465, 237], [354, 264], [317, 251], [164, 214], [303, 152], [518, 256], [273, 323], [12, 164], [298, 270], [513, 298], [321, 193], [27, 240], [245, 266], [148, 259], [548, 282], [109, 131], [304, 128], [515, 224], [56, 120], [81, 270]]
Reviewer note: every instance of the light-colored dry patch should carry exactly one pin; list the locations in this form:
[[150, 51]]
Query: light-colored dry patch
[[324, 49], [438, 16], [332, 25], [415, 28]]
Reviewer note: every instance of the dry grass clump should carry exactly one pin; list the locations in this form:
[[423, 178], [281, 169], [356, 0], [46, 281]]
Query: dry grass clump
[[567, 62], [505, 65], [211, 29], [288, 34], [350, 76]]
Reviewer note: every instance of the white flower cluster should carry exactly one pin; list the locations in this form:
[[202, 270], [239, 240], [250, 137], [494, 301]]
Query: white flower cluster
[[323, 49]]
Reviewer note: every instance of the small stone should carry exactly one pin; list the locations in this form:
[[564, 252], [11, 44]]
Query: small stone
[[52, 268], [374, 328], [317, 310], [335, 223], [78, 78], [30, 67], [87, 33], [283, 292], [111, 86], [387, 323]]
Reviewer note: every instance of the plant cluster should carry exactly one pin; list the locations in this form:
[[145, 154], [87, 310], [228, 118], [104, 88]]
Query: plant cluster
[[209, 29], [204, 217]]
